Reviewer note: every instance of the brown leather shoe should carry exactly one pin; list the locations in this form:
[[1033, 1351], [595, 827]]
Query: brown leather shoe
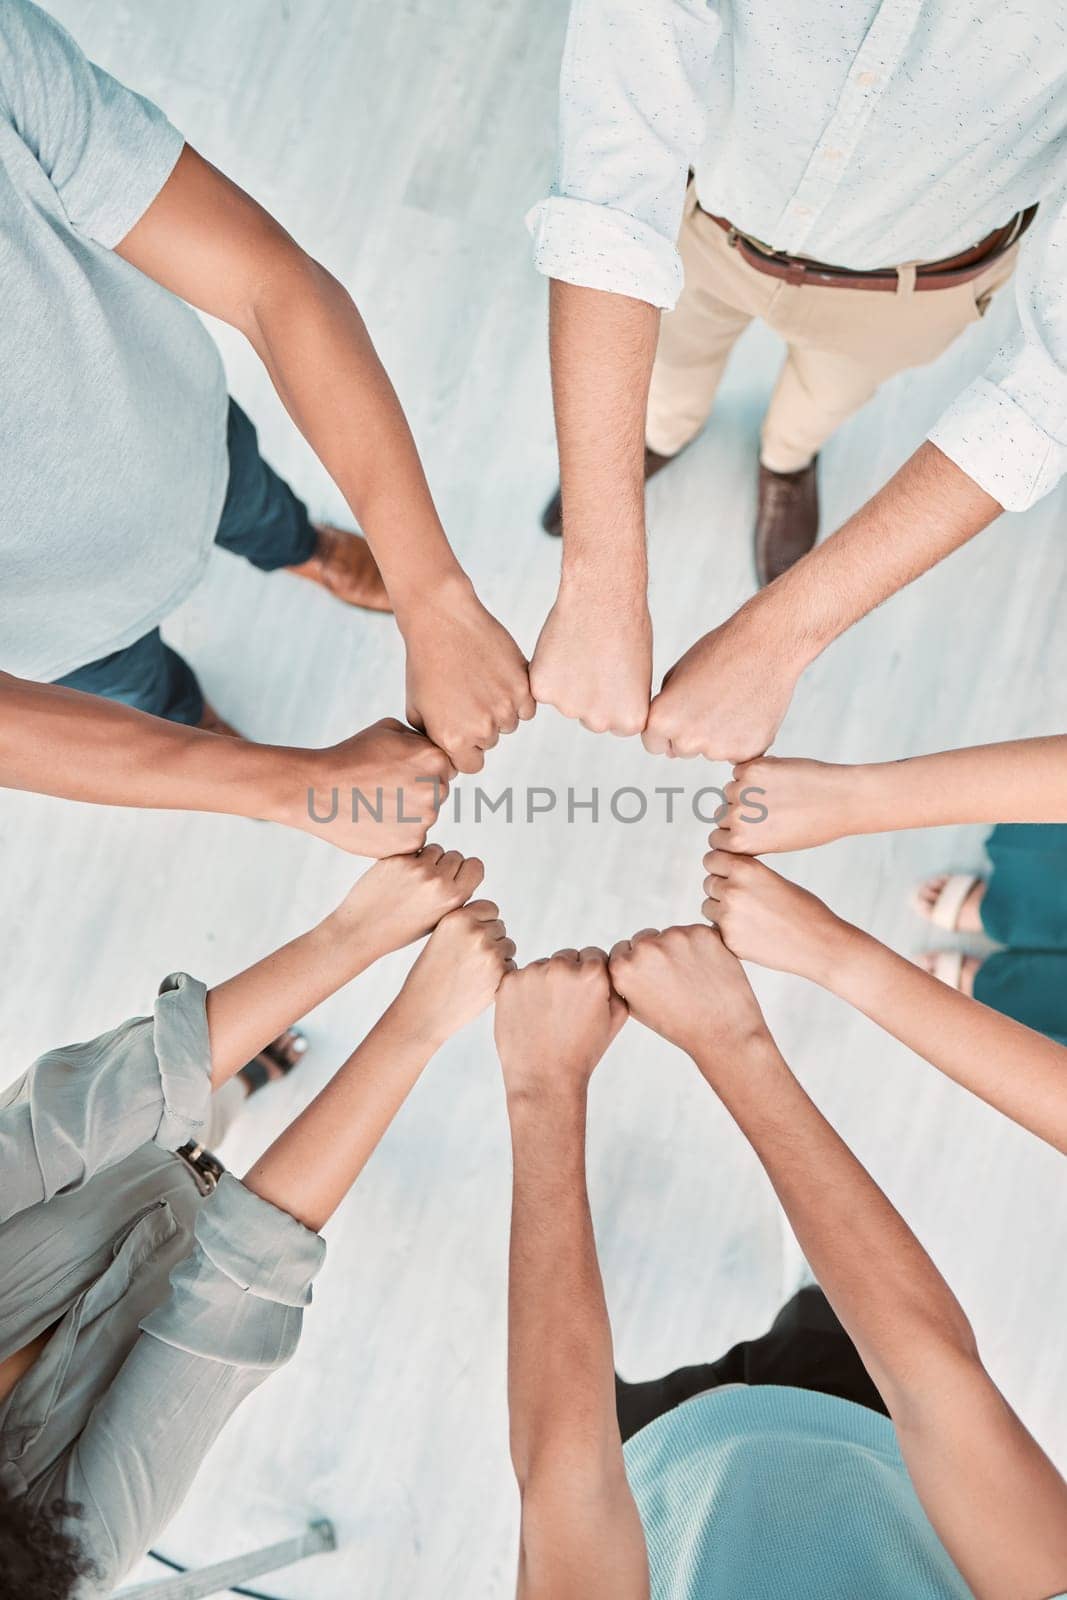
[[344, 565], [787, 520], [552, 517]]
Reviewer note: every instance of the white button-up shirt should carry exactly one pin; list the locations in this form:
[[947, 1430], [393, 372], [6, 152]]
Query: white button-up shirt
[[866, 133]]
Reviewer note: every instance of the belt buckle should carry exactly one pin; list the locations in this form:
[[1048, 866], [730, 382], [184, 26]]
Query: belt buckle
[[206, 1167]]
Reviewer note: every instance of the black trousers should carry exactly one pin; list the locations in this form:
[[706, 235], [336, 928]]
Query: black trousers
[[805, 1348]]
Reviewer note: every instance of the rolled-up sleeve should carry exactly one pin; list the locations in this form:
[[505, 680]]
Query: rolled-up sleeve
[[633, 108], [1008, 429], [84, 1107], [233, 1316]]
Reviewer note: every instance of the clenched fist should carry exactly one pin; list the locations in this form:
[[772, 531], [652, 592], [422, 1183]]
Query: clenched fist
[[555, 1019], [402, 898], [684, 984], [459, 971], [725, 699], [593, 660], [376, 794], [762, 917], [467, 681]]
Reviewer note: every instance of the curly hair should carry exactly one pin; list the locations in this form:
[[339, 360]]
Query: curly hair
[[38, 1559]]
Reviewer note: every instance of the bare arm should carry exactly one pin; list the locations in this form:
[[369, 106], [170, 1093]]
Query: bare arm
[[208, 241], [594, 657], [80, 747], [581, 1536], [393, 903], [811, 802], [765, 918], [310, 1167], [995, 1500], [727, 696]]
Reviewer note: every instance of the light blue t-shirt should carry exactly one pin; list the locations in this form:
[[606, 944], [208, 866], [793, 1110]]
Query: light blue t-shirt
[[766, 1493], [113, 462]]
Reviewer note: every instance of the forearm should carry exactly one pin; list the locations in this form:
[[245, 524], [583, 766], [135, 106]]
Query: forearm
[[926, 511], [1023, 780], [900, 1313], [1010, 1067], [602, 347], [310, 1167], [80, 747], [312, 340], [249, 1010], [561, 1386]]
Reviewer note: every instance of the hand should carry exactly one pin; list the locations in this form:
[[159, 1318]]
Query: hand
[[684, 984], [725, 699], [555, 1019], [403, 897], [765, 918], [467, 681], [594, 660], [780, 803], [458, 972], [334, 793]]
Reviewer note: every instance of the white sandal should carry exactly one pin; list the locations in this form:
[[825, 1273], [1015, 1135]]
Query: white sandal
[[945, 911]]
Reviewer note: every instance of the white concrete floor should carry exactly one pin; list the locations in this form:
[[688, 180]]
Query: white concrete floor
[[402, 143]]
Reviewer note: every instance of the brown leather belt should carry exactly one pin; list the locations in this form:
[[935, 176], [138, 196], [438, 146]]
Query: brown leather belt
[[944, 274]]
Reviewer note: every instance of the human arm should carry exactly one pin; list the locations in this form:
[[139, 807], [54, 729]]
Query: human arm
[[82, 1108], [581, 1537], [727, 696], [994, 1499], [633, 97], [786, 803], [79, 747], [394, 902], [764, 918], [209, 242], [310, 1167], [593, 659]]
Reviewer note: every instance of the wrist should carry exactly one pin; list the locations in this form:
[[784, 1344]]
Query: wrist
[[351, 940], [606, 581], [878, 796], [746, 1062], [441, 589], [268, 783], [850, 965], [530, 1091], [414, 1031], [779, 623]]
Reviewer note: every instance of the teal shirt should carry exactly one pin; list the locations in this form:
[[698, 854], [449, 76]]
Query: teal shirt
[[768, 1493]]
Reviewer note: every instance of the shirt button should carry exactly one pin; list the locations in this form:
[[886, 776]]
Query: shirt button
[[832, 155], [867, 78], [802, 211]]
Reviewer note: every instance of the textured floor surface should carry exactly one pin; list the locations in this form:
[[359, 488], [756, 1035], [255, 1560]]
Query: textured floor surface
[[402, 143]]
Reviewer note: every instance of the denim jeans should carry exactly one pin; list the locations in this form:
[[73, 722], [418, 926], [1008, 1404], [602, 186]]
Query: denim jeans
[[262, 520]]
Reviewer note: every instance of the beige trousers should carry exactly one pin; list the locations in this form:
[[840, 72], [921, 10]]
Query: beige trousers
[[841, 343]]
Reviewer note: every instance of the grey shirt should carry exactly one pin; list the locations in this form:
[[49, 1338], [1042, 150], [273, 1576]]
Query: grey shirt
[[113, 461], [168, 1308]]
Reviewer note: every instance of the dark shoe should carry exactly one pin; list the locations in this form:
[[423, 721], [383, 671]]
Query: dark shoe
[[552, 517], [343, 565], [275, 1061], [787, 520]]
